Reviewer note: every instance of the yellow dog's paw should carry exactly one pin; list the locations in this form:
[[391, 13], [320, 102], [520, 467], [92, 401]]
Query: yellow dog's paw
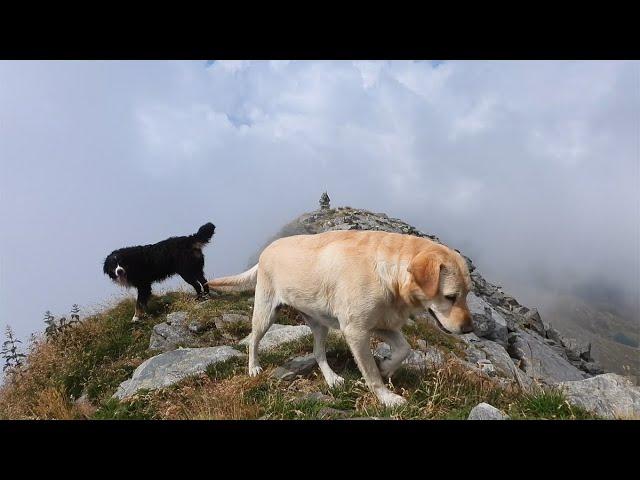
[[390, 399]]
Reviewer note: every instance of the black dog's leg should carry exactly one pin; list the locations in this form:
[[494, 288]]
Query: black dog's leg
[[191, 280], [203, 282], [144, 292]]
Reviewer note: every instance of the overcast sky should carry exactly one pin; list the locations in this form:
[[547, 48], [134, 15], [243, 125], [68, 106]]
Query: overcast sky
[[530, 168]]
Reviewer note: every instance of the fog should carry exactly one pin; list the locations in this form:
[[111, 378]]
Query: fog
[[530, 168]]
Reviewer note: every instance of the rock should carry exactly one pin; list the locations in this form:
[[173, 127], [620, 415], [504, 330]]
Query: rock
[[487, 367], [168, 336], [487, 321], [328, 412], [594, 368], [509, 302], [294, 367], [533, 321], [481, 349], [279, 335], [552, 334], [343, 226], [539, 361], [195, 327], [560, 351], [429, 358], [608, 395], [171, 367], [577, 350], [520, 310], [484, 411], [176, 318], [314, 397], [231, 325], [473, 353], [230, 319], [483, 325], [513, 320]]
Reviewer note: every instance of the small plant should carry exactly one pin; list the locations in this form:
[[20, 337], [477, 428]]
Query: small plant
[[12, 358], [55, 327]]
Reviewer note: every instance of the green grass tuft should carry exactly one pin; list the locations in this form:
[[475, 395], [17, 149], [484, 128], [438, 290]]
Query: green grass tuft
[[547, 404], [138, 408]]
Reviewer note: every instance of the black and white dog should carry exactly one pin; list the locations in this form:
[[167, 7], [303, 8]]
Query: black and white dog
[[143, 265]]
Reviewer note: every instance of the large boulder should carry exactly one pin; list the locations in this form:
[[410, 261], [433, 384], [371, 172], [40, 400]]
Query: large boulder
[[279, 335], [171, 367], [540, 361], [608, 395]]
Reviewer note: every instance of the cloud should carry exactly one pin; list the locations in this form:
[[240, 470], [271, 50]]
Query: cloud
[[531, 168]]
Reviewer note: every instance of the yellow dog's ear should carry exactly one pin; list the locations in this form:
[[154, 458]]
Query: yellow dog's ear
[[425, 269]]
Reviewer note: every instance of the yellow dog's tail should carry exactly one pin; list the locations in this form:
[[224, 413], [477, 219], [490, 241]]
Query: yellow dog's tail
[[236, 283]]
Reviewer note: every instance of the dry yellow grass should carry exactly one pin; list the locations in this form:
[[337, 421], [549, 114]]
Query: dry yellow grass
[[205, 399]]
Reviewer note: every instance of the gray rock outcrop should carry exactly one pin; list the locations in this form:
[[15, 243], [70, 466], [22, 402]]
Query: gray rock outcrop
[[172, 333], [608, 396], [539, 361], [279, 335], [171, 367]]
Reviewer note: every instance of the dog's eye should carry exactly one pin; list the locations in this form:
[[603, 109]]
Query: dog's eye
[[451, 298]]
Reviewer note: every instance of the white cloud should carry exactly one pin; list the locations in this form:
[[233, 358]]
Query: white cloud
[[506, 160]]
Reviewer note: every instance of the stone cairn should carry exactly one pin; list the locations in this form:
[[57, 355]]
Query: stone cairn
[[324, 201]]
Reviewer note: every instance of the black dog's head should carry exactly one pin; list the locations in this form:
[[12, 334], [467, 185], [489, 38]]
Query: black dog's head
[[115, 268]]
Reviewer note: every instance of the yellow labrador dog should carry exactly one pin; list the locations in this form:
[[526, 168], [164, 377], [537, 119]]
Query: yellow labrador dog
[[364, 283]]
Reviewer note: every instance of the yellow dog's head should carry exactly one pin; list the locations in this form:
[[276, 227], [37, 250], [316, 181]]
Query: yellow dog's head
[[440, 282]]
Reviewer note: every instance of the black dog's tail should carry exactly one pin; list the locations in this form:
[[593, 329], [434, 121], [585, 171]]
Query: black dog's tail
[[205, 232]]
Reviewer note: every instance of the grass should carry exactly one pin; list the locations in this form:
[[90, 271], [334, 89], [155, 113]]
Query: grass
[[424, 330], [547, 404], [95, 356], [137, 408]]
